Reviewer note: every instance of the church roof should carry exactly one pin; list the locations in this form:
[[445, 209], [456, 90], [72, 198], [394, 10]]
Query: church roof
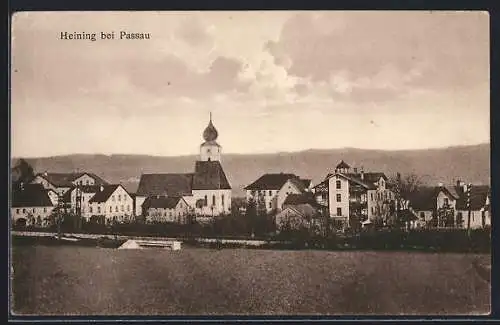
[[209, 175], [165, 184]]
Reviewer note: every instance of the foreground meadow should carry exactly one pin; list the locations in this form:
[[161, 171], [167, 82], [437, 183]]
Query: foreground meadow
[[94, 281]]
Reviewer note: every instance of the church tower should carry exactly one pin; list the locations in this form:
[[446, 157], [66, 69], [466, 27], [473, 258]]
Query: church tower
[[210, 150]]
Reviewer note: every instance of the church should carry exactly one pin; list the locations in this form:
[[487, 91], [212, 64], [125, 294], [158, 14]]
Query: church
[[207, 190]]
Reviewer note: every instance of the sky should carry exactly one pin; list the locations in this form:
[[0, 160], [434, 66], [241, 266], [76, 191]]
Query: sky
[[273, 81]]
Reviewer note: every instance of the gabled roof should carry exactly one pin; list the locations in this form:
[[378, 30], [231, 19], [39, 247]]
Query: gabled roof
[[209, 175], [103, 196], [161, 202], [271, 181], [342, 165], [31, 195], [424, 199], [478, 196], [66, 179], [165, 184]]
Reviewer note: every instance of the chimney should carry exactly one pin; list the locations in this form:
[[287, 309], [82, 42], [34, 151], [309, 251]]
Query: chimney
[[362, 173]]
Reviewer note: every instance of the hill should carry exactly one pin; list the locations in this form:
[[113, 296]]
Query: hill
[[446, 165]]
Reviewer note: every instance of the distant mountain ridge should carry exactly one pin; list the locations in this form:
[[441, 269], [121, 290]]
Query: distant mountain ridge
[[446, 165]]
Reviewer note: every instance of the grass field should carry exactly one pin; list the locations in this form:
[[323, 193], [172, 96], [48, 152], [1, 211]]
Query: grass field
[[93, 281]]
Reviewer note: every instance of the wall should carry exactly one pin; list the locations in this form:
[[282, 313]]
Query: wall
[[24, 212], [139, 200], [344, 196], [178, 214], [84, 180], [441, 198], [54, 198], [218, 208], [286, 189], [270, 198], [475, 219], [213, 155], [109, 208]]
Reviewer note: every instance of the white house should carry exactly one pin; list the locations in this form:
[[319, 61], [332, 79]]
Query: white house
[[273, 189], [165, 209], [62, 182], [349, 192], [207, 190], [112, 202], [480, 206], [434, 203], [31, 205]]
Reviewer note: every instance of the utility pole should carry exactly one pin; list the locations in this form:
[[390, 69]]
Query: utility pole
[[469, 187]]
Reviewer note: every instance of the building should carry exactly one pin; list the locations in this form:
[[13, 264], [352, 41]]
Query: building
[[112, 203], [31, 205], [207, 190], [62, 182], [348, 194], [271, 190], [434, 206], [158, 209], [298, 210], [480, 207]]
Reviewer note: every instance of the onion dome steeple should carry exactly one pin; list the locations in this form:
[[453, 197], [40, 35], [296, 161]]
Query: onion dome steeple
[[210, 133]]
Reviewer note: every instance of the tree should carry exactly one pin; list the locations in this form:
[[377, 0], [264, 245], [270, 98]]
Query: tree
[[404, 188], [22, 172]]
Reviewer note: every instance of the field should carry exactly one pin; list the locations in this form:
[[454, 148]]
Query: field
[[93, 281]]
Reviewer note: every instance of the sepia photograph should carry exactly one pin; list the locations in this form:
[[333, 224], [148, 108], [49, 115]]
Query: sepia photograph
[[250, 163]]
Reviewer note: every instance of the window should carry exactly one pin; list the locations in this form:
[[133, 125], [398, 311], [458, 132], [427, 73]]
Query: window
[[98, 209], [90, 209], [88, 182], [116, 208], [222, 199], [119, 197], [446, 202], [270, 193], [24, 210], [339, 211], [113, 198], [270, 205], [339, 198], [422, 215], [17, 210], [206, 200], [110, 209], [338, 185], [122, 209]]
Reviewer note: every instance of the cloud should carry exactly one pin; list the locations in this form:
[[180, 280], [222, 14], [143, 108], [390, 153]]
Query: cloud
[[385, 53], [193, 32]]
